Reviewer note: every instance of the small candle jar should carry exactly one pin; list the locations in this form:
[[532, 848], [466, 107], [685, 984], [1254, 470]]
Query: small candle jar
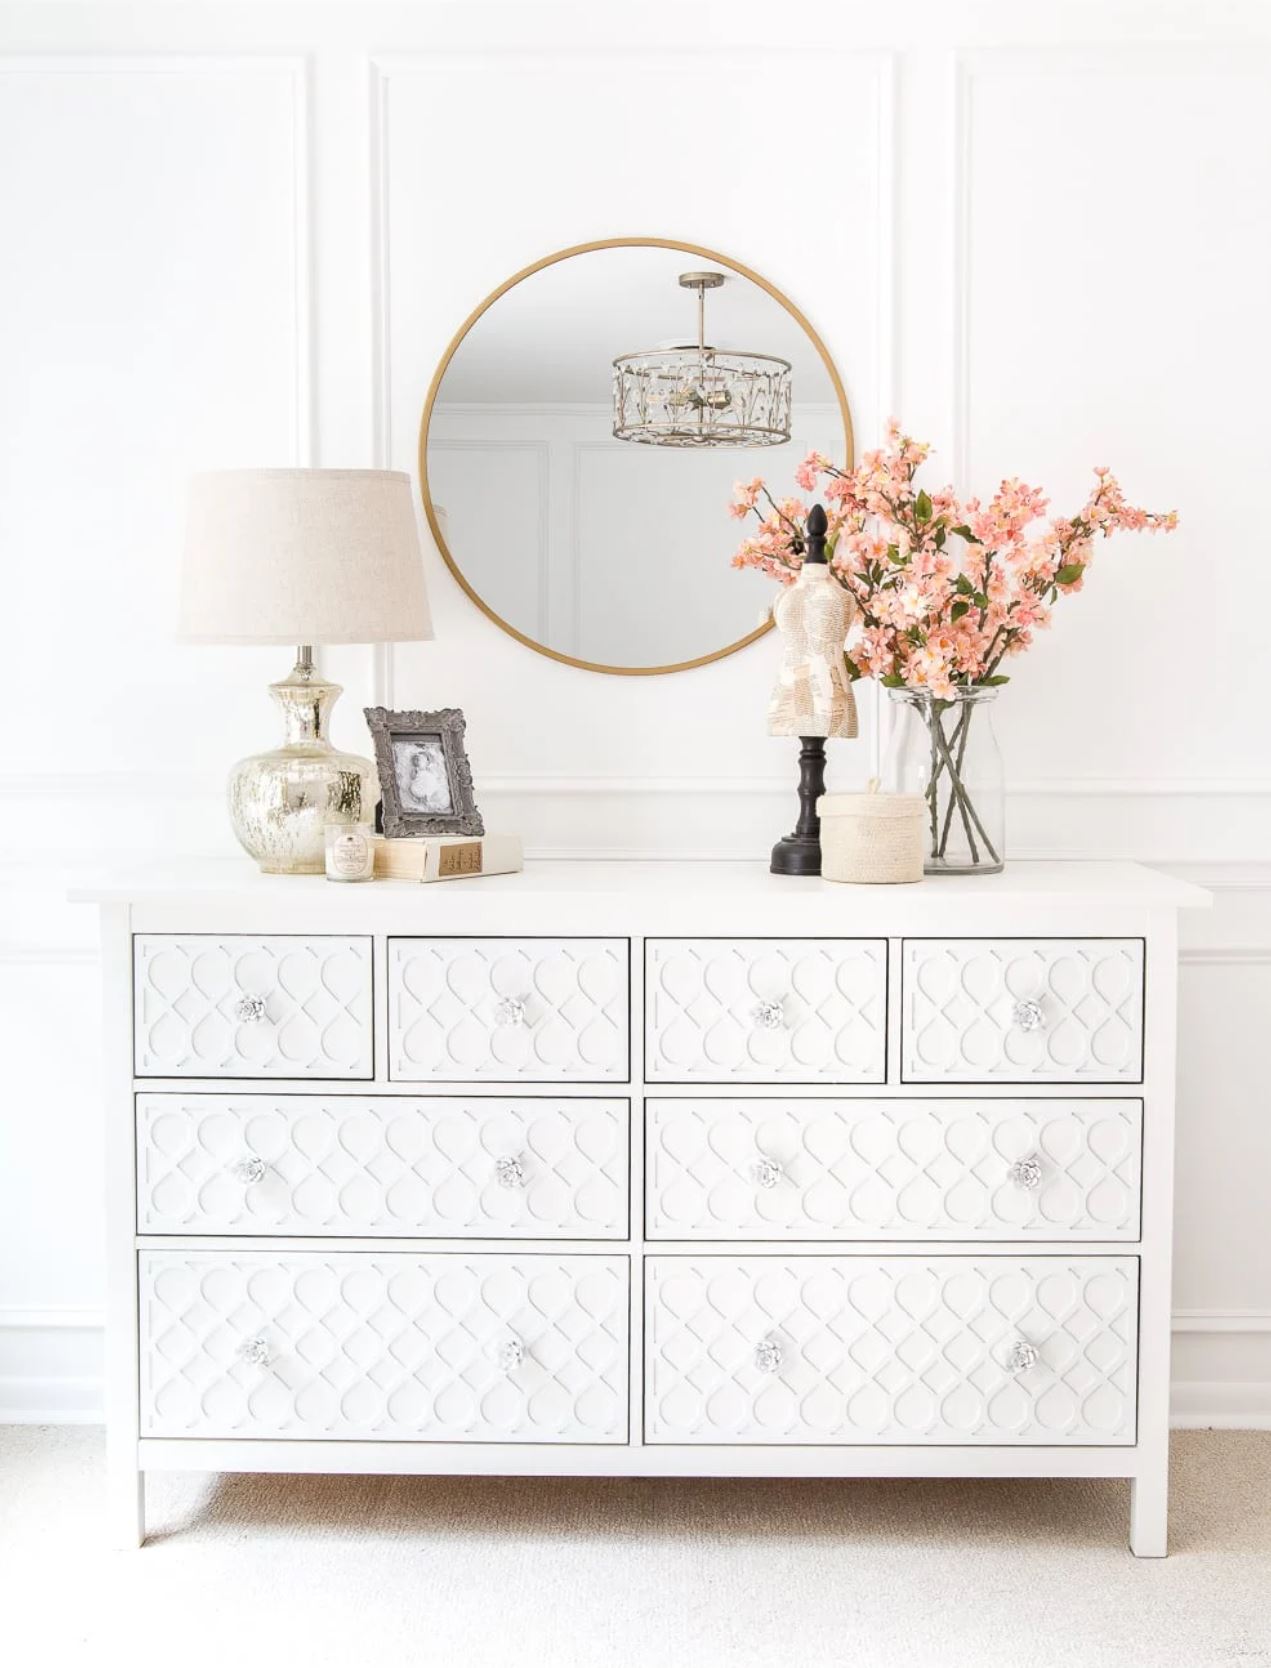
[[871, 839], [350, 851]]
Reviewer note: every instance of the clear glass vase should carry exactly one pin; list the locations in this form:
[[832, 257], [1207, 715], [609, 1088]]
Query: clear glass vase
[[944, 749]]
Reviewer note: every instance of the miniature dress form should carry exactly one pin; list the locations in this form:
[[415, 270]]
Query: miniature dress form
[[813, 693]]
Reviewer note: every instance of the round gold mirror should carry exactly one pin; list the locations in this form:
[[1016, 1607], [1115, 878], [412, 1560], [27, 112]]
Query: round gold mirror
[[582, 436]]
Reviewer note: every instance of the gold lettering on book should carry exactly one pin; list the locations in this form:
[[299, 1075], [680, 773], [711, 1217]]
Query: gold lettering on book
[[460, 860]]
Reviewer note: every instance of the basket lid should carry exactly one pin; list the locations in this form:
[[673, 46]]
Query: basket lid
[[894, 805]]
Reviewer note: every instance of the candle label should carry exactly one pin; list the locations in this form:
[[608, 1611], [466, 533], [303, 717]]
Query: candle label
[[350, 855]]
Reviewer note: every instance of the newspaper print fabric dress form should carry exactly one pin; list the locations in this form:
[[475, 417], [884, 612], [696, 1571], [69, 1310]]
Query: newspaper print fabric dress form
[[813, 694]]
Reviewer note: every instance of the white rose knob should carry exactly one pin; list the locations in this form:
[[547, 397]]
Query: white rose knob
[[1026, 1172], [256, 1352], [1028, 1016], [510, 1355], [768, 1015], [248, 1169], [510, 1011], [249, 1010], [768, 1354], [1020, 1357], [509, 1172], [767, 1172]]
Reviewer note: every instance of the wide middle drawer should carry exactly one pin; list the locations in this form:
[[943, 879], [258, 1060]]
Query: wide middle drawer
[[981, 1169], [362, 1345], [382, 1166]]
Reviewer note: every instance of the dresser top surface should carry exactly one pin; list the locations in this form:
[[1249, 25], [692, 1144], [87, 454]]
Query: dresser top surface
[[1021, 885]]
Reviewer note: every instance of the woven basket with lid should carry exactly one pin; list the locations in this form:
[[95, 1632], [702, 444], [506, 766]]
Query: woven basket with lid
[[872, 839]]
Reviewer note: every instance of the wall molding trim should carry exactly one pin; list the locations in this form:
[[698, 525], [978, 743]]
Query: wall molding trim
[[167, 785]]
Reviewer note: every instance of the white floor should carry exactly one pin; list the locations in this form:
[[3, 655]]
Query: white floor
[[243, 1572]]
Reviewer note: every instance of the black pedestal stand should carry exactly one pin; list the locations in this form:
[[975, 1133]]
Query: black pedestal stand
[[800, 853]]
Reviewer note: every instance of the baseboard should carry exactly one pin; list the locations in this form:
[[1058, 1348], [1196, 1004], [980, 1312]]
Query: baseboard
[[51, 1368], [1220, 1406]]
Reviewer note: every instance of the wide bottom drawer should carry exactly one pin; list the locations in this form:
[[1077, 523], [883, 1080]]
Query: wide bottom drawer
[[907, 1349], [442, 1348]]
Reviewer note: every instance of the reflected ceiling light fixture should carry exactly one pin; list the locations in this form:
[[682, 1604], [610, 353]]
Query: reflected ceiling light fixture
[[692, 394]]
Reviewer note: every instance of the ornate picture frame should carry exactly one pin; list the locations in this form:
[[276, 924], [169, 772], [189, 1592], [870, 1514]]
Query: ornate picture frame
[[425, 777]]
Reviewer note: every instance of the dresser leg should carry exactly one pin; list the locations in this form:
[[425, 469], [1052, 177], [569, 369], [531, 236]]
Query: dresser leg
[[1149, 1514], [127, 1506]]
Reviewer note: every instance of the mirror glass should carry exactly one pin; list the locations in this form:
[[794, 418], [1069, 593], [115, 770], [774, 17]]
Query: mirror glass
[[607, 552]]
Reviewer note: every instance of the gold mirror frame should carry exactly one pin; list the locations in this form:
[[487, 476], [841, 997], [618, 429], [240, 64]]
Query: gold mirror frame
[[711, 255]]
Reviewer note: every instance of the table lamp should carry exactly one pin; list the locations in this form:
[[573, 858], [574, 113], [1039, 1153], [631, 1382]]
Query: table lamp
[[301, 556]]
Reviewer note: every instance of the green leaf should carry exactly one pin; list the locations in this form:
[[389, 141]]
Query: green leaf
[[991, 683], [964, 532], [893, 552], [1069, 572], [853, 670], [980, 600], [959, 609], [922, 507], [964, 587], [893, 680]]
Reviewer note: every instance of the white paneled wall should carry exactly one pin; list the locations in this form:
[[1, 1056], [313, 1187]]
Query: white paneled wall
[[244, 235]]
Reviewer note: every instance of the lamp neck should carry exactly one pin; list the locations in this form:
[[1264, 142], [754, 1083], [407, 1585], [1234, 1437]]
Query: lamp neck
[[305, 700]]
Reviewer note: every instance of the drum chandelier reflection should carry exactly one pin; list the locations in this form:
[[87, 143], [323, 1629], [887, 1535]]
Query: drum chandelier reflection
[[697, 395]]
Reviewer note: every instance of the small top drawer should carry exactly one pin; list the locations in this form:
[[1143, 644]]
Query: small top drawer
[[1022, 1010], [239, 1006], [508, 1009], [766, 1010]]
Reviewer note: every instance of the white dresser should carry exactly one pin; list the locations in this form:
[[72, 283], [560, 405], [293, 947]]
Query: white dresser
[[642, 1169]]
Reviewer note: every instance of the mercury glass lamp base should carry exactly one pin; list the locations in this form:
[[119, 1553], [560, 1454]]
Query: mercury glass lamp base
[[280, 802]]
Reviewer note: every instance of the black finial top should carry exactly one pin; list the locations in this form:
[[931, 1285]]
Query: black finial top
[[815, 530]]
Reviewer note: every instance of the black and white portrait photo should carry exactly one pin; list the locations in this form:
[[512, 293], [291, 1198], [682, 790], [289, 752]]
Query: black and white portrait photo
[[419, 764]]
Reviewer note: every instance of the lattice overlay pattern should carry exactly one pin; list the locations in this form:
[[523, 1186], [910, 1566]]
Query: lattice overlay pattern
[[254, 1164], [444, 1348], [1022, 1010], [252, 1007], [869, 1169], [890, 1350], [527, 1009], [766, 1009]]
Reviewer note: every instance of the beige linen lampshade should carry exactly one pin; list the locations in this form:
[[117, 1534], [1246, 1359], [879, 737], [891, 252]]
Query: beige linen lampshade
[[302, 556]]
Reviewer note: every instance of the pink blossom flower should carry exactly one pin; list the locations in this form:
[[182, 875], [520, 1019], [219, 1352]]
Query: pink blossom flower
[[937, 609]]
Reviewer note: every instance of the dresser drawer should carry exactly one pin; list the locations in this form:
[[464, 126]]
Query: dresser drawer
[[939, 1350], [509, 1009], [442, 1348], [765, 1010], [240, 1006], [344, 1164], [891, 1169], [1022, 1010]]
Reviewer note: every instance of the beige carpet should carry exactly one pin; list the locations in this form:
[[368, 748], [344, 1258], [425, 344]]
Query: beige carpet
[[244, 1572]]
